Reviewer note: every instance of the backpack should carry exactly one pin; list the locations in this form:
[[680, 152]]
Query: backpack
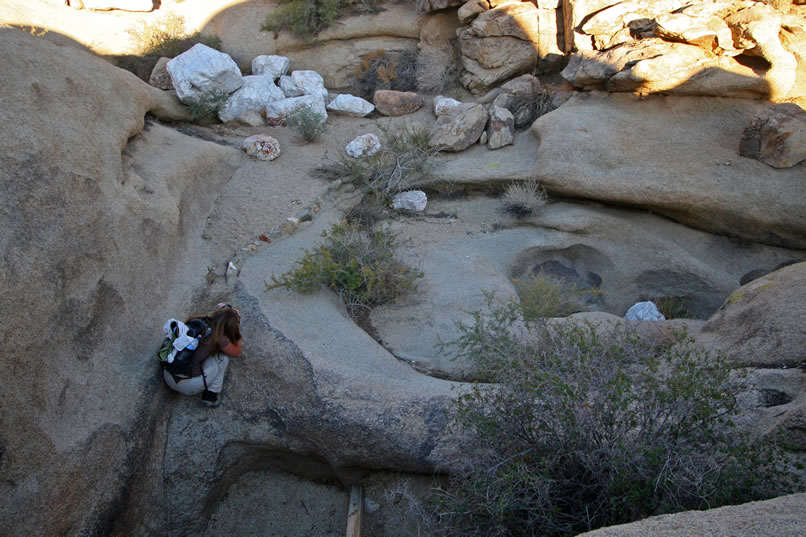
[[176, 353]]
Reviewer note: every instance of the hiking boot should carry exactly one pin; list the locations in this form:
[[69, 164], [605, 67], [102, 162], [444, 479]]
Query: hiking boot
[[211, 398]]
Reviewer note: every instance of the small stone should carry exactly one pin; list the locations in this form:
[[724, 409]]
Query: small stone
[[304, 215], [483, 138], [351, 105], [262, 147], [442, 105], [370, 505], [160, 78], [412, 201], [363, 146], [397, 103], [293, 220]]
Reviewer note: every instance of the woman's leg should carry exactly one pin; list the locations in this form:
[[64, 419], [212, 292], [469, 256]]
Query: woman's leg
[[187, 386], [214, 369]]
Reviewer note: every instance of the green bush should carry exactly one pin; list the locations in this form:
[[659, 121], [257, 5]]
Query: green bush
[[673, 307], [166, 37], [584, 429], [542, 296], [205, 104], [356, 263], [307, 122], [307, 18], [405, 156], [304, 18]]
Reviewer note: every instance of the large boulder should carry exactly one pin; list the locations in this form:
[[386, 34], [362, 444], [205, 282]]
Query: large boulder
[[500, 128], [102, 216], [279, 110], [777, 136], [761, 323], [256, 92], [458, 127], [270, 65], [498, 44], [203, 70], [311, 83]]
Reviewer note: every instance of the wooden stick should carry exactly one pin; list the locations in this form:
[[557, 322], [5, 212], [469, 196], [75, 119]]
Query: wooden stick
[[354, 512]]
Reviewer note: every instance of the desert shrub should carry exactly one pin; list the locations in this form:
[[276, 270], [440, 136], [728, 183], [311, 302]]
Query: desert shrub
[[542, 296], [525, 198], [404, 157], [357, 263], [364, 7], [673, 307], [584, 429], [437, 69], [165, 37], [304, 18], [206, 103], [307, 122], [379, 70]]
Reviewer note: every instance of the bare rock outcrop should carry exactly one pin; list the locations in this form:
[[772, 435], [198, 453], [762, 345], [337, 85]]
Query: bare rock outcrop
[[779, 517], [723, 49], [96, 210], [761, 323], [676, 156]]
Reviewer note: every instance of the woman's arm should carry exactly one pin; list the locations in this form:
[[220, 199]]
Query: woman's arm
[[233, 349]]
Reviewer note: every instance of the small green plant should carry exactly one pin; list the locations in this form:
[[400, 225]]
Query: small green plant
[[356, 263], [379, 70], [307, 122], [523, 199], [404, 157], [673, 307], [542, 296], [206, 103], [304, 18], [584, 429]]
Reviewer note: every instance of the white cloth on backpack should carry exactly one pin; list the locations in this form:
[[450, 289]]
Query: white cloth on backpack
[[182, 339]]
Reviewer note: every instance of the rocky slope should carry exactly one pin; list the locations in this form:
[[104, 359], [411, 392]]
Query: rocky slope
[[114, 222]]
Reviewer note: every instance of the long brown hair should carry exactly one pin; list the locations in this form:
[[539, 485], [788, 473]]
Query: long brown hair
[[224, 322]]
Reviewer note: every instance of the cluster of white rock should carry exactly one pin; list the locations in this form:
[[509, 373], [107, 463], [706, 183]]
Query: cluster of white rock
[[270, 93]]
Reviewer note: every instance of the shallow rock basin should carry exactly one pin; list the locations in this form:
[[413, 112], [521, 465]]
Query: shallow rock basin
[[470, 246]]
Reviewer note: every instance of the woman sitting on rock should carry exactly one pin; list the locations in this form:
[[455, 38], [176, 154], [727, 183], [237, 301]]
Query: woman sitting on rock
[[211, 357]]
